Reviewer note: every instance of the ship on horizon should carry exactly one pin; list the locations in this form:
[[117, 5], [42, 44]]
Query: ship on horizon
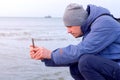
[[48, 16]]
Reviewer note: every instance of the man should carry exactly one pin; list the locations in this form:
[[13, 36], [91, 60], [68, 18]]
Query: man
[[97, 57]]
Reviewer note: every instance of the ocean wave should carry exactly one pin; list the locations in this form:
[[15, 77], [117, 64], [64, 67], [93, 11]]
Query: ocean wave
[[13, 34], [51, 39], [44, 39]]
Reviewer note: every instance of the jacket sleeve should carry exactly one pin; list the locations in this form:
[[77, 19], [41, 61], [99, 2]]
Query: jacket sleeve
[[51, 63], [102, 34]]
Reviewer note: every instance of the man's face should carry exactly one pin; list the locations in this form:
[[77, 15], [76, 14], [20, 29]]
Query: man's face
[[75, 31]]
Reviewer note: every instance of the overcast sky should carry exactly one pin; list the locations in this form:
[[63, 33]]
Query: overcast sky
[[55, 8]]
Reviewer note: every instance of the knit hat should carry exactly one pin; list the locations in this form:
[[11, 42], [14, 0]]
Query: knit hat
[[74, 15]]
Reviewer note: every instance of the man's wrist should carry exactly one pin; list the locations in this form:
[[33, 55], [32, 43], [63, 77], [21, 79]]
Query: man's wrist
[[49, 54]]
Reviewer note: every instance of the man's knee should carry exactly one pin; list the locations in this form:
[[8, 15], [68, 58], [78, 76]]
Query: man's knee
[[75, 72], [85, 62]]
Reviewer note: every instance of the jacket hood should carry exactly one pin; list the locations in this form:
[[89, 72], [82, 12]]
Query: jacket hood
[[93, 13]]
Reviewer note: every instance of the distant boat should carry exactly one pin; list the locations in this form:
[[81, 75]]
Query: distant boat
[[48, 16]]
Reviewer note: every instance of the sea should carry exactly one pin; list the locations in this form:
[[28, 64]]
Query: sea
[[15, 39]]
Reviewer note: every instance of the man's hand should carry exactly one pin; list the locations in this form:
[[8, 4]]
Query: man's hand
[[39, 53]]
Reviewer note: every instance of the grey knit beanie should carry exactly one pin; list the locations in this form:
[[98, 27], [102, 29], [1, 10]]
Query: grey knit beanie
[[74, 15]]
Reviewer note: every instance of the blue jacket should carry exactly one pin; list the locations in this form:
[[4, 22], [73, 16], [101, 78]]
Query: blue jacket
[[101, 37]]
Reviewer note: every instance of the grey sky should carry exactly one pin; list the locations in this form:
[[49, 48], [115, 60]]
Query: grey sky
[[40, 8]]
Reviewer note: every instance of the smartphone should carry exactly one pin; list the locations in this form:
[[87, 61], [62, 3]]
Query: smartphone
[[33, 42]]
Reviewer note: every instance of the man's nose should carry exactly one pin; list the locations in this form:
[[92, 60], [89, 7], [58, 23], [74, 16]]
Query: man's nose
[[68, 30]]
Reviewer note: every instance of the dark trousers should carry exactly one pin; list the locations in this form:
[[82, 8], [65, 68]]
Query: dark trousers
[[92, 67]]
